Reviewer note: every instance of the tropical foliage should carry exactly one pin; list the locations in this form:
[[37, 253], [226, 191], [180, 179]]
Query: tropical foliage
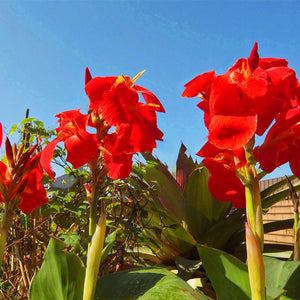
[[120, 225]]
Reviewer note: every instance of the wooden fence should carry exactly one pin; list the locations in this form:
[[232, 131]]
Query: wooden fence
[[282, 210]]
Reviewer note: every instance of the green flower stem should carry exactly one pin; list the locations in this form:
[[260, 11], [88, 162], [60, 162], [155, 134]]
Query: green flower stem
[[93, 212], [253, 198], [253, 206], [296, 236], [255, 239], [256, 267], [4, 227], [254, 234], [94, 258]]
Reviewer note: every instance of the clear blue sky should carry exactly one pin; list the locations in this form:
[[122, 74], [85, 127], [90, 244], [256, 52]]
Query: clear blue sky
[[46, 45]]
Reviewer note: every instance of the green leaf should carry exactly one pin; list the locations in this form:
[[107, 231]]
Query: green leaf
[[186, 267], [282, 278], [268, 201], [38, 123], [61, 275], [109, 243], [274, 187], [13, 129], [170, 195], [228, 275], [27, 120], [71, 239], [145, 284], [201, 209], [218, 235]]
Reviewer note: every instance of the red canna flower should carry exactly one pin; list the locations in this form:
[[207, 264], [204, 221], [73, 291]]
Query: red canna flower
[[282, 143], [123, 124], [116, 99], [245, 100], [81, 145], [21, 180], [224, 165], [34, 195]]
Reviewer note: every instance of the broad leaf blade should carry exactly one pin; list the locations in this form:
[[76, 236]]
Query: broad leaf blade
[[202, 210], [282, 278], [170, 195], [145, 284], [228, 275], [276, 186], [219, 234], [60, 277]]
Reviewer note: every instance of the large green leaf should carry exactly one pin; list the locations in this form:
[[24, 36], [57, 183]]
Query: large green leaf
[[165, 235], [170, 195], [276, 186], [219, 234], [145, 284], [228, 275], [61, 276], [282, 278], [201, 209]]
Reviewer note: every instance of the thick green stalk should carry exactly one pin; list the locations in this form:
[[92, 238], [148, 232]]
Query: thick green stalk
[[4, 227], [296, 236], [93, 211], [255, 240], [94, 258], [254, 228], [256, 267], [253, 206]]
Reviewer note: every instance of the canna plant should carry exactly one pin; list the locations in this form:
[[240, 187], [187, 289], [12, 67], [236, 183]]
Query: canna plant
[[124, 126], [254, 95]]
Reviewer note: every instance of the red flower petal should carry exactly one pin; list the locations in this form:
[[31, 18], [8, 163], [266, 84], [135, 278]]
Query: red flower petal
[[34, 194], [120, 165], [282, 143], [88, 76], [270, 62], [47, 154], [253, 58], [96, 88], [224, 185], [231, 132], [200, 84], [81, 148], [150, 98]]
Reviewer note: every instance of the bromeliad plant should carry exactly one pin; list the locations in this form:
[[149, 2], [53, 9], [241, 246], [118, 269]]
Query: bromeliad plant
[[239, 105]]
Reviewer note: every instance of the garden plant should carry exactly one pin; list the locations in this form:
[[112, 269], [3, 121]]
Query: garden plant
[[122, 226]]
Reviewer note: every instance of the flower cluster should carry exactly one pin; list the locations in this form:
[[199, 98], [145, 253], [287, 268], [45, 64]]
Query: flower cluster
[[21, 179], [123, 125], [240, 104]]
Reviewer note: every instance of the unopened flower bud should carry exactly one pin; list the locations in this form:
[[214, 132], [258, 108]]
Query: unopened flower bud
[[9, 154]]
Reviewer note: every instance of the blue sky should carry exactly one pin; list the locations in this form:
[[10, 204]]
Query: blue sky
[[46, 45]]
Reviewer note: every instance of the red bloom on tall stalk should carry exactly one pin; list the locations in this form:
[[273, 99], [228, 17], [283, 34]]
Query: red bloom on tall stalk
[[21, 179], [245, 100], [239, 104], [123, 124]]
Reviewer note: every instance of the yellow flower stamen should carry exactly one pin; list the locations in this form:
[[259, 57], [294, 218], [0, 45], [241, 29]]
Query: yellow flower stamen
[[129, 82]]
